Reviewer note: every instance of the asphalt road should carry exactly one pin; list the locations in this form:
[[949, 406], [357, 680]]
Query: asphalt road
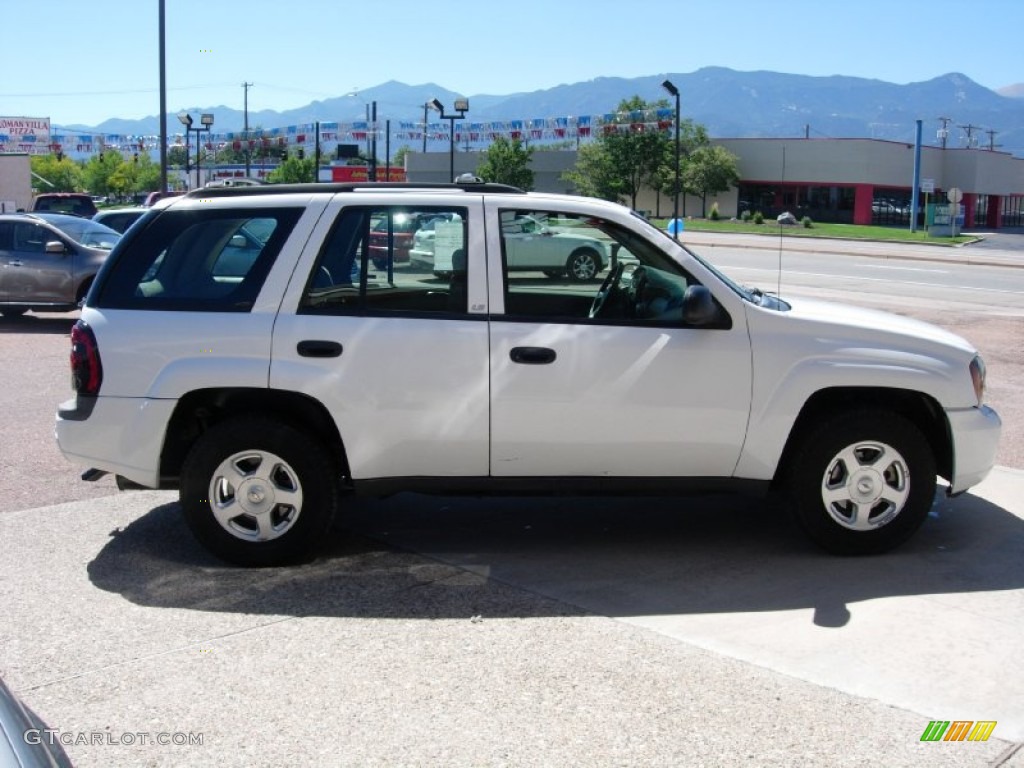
[[434, 631]]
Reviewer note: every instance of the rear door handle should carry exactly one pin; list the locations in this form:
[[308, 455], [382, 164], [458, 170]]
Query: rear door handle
[[318, 348], [532, 355]]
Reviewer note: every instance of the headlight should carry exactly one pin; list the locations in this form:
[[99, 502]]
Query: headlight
[[978, 378]]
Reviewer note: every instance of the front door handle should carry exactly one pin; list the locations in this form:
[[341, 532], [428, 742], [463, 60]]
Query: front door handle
[[532, 355], [318, 348]]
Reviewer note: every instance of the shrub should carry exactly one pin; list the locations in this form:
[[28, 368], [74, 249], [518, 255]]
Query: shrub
[[758, 217], [745, 216], [714, 215], [806, 221]]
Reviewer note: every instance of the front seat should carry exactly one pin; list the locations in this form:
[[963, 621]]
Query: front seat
[[457, 293]]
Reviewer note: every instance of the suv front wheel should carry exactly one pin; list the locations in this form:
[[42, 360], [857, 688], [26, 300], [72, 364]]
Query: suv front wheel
[[258, 492], [862, 482]]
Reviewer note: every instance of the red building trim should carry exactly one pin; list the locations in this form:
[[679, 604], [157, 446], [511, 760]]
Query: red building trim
[[864, 196]]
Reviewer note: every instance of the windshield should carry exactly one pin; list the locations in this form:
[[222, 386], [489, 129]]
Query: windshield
[[89, 233], [752, 295]]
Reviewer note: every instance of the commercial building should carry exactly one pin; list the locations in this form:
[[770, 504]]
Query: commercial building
[[857, 181]]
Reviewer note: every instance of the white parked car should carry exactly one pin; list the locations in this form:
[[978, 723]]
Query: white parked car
[[269, 392]]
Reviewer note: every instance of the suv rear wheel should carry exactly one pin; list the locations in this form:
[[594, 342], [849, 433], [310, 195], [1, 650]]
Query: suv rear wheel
[[583, 264], [258, 492], [862, 482]]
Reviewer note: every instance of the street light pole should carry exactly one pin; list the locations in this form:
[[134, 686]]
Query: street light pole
[[207, 120], [186, 119], [668, 86], [462, 107], [373, 151]]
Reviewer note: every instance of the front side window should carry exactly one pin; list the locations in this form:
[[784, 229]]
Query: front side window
[[566, 267], [391, 260], [31, 238], [214, 260]]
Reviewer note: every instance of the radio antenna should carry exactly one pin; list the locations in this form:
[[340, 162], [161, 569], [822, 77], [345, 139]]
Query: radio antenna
[[782, 183]]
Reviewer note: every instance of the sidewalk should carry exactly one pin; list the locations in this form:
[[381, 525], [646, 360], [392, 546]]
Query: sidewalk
[[996, 250]]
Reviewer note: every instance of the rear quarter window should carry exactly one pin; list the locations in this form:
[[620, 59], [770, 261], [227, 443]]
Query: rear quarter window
[[196, 260]]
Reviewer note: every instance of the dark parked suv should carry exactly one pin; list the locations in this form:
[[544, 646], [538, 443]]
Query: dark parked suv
[[74, 203]]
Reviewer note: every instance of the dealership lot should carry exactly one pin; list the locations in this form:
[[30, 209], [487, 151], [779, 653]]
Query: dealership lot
[[518, 632], [438, 631]]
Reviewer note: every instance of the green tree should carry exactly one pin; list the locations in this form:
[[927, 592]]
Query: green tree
[[398, 159], [710, 170], [99, 170], [65, 175], [624, 160], [507, 162], [176, 157], [692, 136], [293, 170]]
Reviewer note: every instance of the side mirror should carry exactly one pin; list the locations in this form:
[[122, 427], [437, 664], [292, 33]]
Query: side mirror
[[55, 246], [699, 306]]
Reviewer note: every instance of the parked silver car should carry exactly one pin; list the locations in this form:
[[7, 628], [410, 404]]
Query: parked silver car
[[49, 260]]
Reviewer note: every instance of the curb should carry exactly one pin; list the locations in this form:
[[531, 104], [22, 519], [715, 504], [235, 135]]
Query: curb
[[824, 245]]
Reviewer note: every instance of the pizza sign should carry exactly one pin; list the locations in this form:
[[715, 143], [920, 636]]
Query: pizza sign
[[25, 134]]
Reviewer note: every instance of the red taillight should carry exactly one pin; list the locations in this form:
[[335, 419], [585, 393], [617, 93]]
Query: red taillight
[[86, 370]]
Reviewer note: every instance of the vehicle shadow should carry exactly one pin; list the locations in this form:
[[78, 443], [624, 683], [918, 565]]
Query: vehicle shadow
[[37, 324], [415, 556]]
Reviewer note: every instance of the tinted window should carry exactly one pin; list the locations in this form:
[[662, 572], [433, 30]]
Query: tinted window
[[212, 261], [384, 260]]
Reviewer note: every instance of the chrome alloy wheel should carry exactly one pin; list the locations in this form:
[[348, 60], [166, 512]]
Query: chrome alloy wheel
[[255, 495], [583, 265], [865, 486]]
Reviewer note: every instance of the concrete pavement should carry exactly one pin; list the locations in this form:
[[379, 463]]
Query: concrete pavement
[[568, 631]]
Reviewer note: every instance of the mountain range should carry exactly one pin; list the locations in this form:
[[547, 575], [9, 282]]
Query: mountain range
[[731, 104]]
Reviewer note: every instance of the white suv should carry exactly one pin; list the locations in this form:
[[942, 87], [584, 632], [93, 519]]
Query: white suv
[[241, 346]]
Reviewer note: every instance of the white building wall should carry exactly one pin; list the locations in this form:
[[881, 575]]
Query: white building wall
[[15, 183]]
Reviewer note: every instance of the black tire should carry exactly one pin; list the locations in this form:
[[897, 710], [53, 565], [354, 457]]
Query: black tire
[[583, 264], [291, 486], [862, 482]]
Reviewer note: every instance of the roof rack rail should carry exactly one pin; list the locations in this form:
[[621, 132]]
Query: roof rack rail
[[351, 186]]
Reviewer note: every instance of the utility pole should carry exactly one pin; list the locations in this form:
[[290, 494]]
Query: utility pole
[[426, 107], [992, 140], [970, 129], [245, 125], [943, 132], [163, 99]]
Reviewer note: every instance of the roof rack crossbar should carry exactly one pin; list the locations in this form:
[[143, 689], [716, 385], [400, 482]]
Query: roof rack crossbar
[[351, 186]]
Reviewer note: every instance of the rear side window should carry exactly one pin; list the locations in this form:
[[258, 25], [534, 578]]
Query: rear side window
[[205, 261], [392, 261]]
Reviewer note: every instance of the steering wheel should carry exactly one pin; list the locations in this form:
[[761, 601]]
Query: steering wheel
[[607, 288]]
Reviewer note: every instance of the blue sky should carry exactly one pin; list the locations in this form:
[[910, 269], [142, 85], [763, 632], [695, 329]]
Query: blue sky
[[84, 62]]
